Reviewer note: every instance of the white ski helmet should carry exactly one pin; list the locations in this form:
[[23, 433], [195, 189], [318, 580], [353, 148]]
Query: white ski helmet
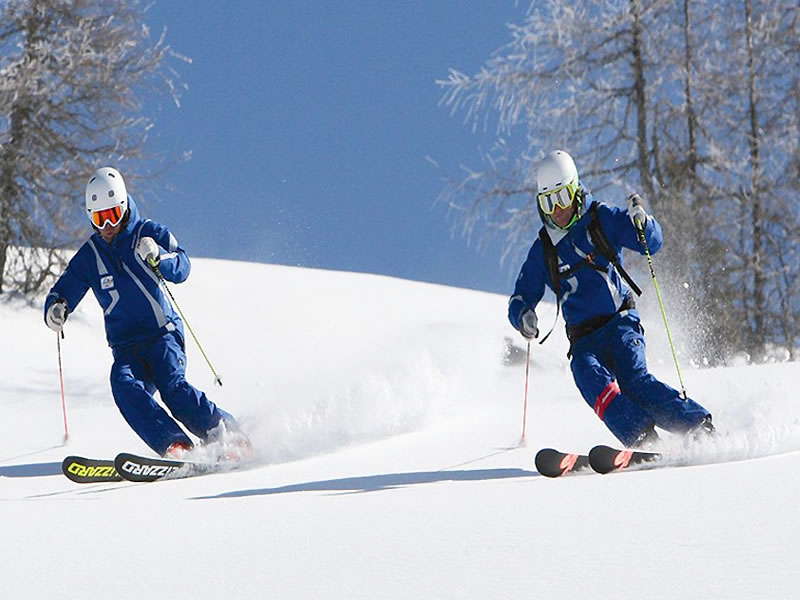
[[555, 173], [106, 197], [556, 170]]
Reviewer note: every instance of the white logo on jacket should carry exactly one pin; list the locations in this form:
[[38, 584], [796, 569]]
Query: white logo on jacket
[[107, 282]]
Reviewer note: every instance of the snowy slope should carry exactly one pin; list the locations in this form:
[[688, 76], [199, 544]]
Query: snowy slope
[[388, 460]]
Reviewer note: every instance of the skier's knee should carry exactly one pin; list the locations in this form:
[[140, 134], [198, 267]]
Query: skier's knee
[[605, 398]]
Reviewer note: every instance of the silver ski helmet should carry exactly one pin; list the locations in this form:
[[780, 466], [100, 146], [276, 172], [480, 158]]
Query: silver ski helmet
[[106, 197], [557, 184]]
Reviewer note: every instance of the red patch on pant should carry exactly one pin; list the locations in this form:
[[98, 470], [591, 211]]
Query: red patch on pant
[[602, 401]]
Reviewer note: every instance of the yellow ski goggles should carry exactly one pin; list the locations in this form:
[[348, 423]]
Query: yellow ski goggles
[[562, 196]]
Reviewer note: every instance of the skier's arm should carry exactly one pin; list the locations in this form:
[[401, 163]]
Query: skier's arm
[[529, 289], [621, 231], [73, 284], [174, 263]]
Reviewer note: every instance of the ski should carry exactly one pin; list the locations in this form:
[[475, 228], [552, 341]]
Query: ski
[[89, 470], [605, 459], [141, 469], [601, 459], [553, 463], [133, 467]]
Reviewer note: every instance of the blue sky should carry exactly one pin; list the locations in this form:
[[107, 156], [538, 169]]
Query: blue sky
[[309, 124]]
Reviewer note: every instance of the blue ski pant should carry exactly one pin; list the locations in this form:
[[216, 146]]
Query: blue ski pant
[[160, 365], [610, 370]]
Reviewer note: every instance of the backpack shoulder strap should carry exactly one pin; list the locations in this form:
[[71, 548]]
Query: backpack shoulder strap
[[600, 241], [598, 235], [551, 261]]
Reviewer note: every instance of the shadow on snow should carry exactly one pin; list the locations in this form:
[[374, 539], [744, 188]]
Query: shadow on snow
[[374, 483], [31, 470]]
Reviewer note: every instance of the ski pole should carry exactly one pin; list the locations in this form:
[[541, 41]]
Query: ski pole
[[663, 312], [154, 266], [59, 335], [525, 402]]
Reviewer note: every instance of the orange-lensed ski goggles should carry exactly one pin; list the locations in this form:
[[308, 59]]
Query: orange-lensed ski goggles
[[112, 216]]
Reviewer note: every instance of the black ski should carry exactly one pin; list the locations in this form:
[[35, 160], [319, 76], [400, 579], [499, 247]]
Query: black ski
[[133, 467], [89, 470], [553, 463], [605, 459]]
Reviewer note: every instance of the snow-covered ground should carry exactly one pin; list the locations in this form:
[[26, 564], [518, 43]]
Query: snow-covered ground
[[387, 433]]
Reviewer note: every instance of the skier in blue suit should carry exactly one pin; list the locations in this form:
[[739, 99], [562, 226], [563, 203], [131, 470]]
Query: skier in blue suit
[[607, 346], [144, 332]]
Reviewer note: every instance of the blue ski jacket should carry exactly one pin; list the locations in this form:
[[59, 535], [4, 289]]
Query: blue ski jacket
[[589, 293], [134, 305]]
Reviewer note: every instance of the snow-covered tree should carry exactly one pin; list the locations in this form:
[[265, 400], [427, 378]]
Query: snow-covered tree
[[752, 136], [72, 78], [560, 87]]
